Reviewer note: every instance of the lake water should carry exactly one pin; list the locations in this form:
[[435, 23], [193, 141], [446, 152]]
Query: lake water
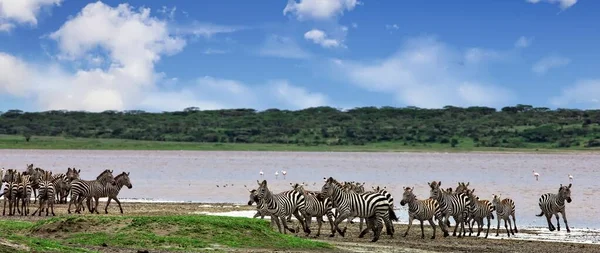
[[220, 176]]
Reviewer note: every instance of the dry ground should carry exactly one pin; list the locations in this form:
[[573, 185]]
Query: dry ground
[[350, 243]]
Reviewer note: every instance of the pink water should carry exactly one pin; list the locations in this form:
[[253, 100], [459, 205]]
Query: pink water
[[194, 176]]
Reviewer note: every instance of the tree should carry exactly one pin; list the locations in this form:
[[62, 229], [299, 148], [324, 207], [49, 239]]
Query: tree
[[453, 142]]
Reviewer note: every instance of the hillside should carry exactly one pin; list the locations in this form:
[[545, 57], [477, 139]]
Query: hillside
[[519, 126]]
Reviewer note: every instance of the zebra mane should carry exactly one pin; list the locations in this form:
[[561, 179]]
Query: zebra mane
[[121, 175], [104, 172]]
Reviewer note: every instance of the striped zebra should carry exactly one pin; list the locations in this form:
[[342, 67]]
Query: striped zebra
[[552, 204], [422, 210], [24, 193], [383, 191], [62, 183], [46, 194], [259, 212], [452, 204], [10, 192], [280, 206], [314, 207], [505, 208], [372, 206], [111, 191], [35, 175], [478, 210], [82, 189]]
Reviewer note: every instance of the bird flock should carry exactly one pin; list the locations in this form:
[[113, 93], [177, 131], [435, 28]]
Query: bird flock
[[340, 201], [50, 188]]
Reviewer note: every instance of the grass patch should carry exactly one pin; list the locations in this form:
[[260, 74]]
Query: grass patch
[[464, 145], [173, 233]]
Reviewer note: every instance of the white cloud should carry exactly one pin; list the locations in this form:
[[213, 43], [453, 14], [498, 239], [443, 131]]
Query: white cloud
[[297, 97], [318, 9], [584, 92], [479, 55], [523, 42], [206, 30], [210, 51], [392, 27], [543, 65], [22, 12], [283, 47], [564, 4], [425, 73], [354, 25], [319, 37]]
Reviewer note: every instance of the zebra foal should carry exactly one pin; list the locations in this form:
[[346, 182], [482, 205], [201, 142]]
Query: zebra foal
[[505, 209], [422, 210], [314, 207]]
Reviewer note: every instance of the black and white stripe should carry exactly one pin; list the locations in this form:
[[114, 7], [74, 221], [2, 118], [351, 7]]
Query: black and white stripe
[[505, 208], [279, 206], [317, 207], [372, 206], [82, 189], [452, 204], [553, 204], [46, 194], [422, 210], [111, 191], [479, 210]]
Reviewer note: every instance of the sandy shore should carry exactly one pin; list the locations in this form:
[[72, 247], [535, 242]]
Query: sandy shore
[[351, 243]]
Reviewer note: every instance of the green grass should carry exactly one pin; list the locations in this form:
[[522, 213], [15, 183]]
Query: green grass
[[43, 142], [172, 233]]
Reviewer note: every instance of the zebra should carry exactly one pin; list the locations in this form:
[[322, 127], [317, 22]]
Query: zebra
[[422, 210], [35, 175], [314, 207], [24, 193], [46, 194], [260, 212], [372, 206], [81, 189], [552, 204], [505, 208], [111, 191], [383, 191], [10, 192], [280, 205], [62, 183], [479, 209], [452, 204]]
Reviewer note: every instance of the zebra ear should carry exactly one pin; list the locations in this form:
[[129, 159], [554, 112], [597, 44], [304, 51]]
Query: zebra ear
[[468, 183], [128, 173], [570, 186]]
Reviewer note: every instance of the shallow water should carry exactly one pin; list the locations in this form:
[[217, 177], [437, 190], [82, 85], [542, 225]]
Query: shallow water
[[194, 176]]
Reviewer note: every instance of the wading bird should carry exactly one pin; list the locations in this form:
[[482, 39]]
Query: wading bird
[[536, 175]]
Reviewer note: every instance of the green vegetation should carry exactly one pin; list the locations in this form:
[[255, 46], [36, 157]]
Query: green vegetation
[[172, 233], [313, 129]]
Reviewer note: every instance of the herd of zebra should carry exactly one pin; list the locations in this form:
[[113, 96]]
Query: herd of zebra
[[349, 200], [49, 188]]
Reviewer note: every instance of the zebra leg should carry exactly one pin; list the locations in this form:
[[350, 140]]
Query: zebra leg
[[51, 206], [510, 225], [422, 230], [410, 221], [258, 214], [432, 227], [97, 200], [106, 207], [498, 228], [488, 227], [506, 226], [462, 226], [319, 223], [330, 218], [360, 225], [370, 225], [515, 223], [296, 214], [342, 215], [389, 227], [378, 227], [285, 226], [455, 227], [119, 203], [564, 215]]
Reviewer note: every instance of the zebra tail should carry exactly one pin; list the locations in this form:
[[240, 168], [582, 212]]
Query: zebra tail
[[540, 215], [393, 216]]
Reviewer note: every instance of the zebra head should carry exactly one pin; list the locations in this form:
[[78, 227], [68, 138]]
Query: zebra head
[[496, 200], [123, 179], [462, 187], [253, 197], [435, 192], [8, 177], [564, 192], [408, 196], [106, 177], [263, 190], [72, 174], [329, 186]]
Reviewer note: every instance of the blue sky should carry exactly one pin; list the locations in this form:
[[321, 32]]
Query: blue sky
[[169, 55]]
